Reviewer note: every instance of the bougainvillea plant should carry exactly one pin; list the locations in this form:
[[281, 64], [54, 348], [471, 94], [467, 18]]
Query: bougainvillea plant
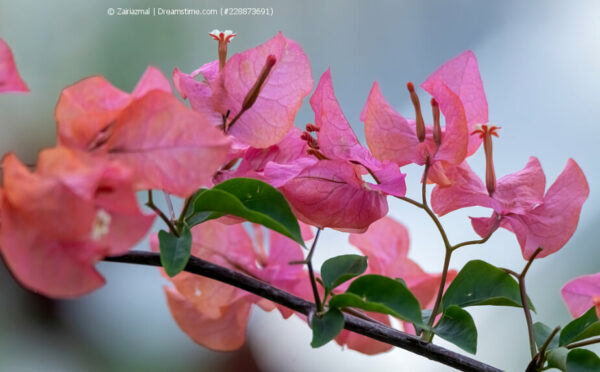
[[258, 192]]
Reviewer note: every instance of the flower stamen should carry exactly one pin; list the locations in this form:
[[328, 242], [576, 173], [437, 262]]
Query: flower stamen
[[418, 115], [254, 91], [310, 140], [486, 131], [437, 129], [312, 128], [224, 38]]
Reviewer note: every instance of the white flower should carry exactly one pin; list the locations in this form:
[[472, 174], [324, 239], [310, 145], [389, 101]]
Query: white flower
[[226, 35], [101, 225]]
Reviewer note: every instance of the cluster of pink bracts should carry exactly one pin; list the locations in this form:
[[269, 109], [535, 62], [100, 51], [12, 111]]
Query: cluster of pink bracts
[[79, 203]]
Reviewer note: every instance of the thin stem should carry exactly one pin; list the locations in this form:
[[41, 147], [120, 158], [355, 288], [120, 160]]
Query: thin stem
[[583, 343], [311, 273], [541, 357], [530, 261], [186, 206], [366, 328], [169, 205], [439, 226], [473, 242], [449, 248], [525, 302], [448, 252], [151, 205], [423, 205], [511, 272], [479, 241], [424, 182], [537, 362], [411, 201], [438, 300], [549, 339]]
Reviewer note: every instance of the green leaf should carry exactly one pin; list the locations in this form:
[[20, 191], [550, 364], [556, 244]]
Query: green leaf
[[582, 360], [585, 326], [326, 327], [380, 294], [479, 283], [557, 358], [542, 332], [191, 218], [175, 251], [458, 327], [250, 199], [337, 270]]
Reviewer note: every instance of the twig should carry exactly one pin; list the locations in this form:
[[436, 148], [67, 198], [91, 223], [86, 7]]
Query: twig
[[479, 241], [525, 302], [428, 336], [370, 329], [583, 343], [537, 362], [151, 205], [311, 272], [169, 205]]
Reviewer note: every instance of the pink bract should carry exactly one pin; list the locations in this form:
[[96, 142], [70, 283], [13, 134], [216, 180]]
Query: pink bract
[[10, 80], [461, 75], [275, 164], [457, 88], [331, 192], [520, 205], [53, 255], [149, 130], [215, 314], [88, 107], [167, 145], [582, 293], [337, 140], [392, 137], [199, 92], [272, 115]]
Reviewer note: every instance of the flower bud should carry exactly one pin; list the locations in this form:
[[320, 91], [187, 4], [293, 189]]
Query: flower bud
[[312, 128]]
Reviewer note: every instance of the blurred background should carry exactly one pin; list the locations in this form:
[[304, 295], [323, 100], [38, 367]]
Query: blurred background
[[540, 63]]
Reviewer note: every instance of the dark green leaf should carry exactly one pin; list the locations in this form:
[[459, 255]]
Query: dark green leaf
[[582, 360], [557, 358], [250, 199], [585, 326], [542, 332], [337, 270], [175, 251], [326, 327], [192, 218], [380, 294], [479, 283], [190, 209], [458, 327]]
